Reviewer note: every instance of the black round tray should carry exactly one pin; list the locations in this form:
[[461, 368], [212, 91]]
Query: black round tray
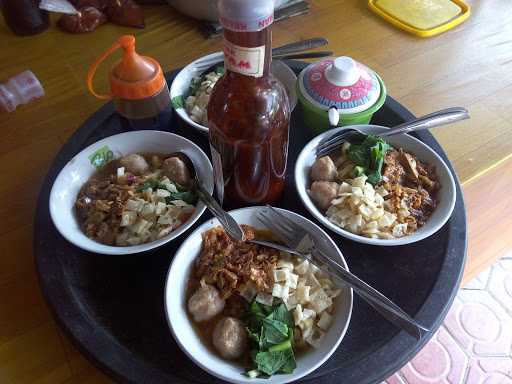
[[112, 306]]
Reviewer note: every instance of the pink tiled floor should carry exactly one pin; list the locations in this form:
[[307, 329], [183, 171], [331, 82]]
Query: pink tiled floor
[[474, 345]]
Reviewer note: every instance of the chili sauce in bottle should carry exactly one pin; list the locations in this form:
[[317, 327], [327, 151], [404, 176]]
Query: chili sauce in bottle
[[248, 111]]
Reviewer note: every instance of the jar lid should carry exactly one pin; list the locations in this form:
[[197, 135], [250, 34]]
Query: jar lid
[[133, 76], [422, 17], [344, 83]]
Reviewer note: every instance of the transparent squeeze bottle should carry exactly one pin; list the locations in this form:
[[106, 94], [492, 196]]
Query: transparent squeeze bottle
[[137, 86]]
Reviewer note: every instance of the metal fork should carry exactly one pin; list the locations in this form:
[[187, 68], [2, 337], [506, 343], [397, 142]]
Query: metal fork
[[435, 119], [293, 235]]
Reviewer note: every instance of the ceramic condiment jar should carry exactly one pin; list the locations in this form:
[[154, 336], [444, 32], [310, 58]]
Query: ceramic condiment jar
[[354, 89]]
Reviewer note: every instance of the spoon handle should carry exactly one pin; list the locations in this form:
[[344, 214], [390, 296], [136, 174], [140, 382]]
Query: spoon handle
[[300, 46], [303, 55], [442, 117], [226, 220]]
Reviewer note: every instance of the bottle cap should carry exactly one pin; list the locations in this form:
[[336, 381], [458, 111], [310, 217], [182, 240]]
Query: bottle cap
[[133, 77], [246, 16]]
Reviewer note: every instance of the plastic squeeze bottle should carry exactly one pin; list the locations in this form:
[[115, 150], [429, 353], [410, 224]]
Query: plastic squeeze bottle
[[137, 86]]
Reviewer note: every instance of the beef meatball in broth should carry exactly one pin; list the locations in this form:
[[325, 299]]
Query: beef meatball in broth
[[176, 170], [323, 192], [134, 163], [205, 303], [230, 338], [324, 169]]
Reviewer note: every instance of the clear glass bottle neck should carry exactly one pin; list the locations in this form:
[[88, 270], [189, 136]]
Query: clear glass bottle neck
[[261, 38]]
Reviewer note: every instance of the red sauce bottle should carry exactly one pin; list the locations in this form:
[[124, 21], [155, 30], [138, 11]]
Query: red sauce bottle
[[248, 111]]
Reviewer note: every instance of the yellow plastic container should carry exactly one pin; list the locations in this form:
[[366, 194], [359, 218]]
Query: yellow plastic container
[[423, 18]]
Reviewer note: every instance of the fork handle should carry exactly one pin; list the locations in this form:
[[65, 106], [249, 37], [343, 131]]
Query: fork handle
[[377, 300], [411, 327]]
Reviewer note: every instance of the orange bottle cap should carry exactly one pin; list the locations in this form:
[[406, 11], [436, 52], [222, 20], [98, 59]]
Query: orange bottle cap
[[133, 77]]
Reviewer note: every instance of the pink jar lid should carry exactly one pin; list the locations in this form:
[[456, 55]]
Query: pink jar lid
[[343, 82]]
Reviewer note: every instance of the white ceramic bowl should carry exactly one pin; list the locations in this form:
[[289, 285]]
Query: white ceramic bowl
[[181, 84], [446, 195], [78, 170], [189, 341]]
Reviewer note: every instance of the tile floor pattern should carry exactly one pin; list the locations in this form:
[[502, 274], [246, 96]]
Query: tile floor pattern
[[474, 345]]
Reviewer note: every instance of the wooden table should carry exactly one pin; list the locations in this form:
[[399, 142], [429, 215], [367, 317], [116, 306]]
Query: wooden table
[[470, 66]]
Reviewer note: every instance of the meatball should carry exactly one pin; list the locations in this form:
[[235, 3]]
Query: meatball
[[230, 338], [134, 163], [323, 192], [176, 170], [205, 303], [323, 169]]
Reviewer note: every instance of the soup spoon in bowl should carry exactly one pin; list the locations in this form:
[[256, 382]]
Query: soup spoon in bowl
[[230, 225]]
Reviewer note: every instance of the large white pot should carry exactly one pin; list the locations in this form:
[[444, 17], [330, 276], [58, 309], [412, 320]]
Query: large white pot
[[203, 9]]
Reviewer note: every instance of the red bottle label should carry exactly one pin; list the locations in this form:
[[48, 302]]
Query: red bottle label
[[244, 60]]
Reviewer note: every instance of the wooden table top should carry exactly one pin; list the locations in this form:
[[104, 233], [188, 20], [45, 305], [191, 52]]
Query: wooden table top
[[469, 66]]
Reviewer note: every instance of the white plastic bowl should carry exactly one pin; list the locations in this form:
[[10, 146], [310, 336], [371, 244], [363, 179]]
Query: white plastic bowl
[[79, 169], [446, 195], [181, 84], [187, 338]]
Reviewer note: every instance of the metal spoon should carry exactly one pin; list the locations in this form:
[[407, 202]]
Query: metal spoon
[[230, 225], [435, 119], [299, 46]]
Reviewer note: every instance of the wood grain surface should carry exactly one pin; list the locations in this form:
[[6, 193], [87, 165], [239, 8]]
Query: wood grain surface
[[469, 66]]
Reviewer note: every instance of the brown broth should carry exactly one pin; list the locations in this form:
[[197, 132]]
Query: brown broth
[[106, 176]]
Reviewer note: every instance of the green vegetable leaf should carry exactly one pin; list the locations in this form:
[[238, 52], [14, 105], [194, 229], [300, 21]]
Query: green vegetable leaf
[[281, 313], [358, 155], [274, 332], [267, 309], [188, 197], [279, 358], [374, 177], [369, 157], [270, 330], [290, 364], [178, 102], [281, 346], [184, 194], [101, 157], [220, 70], [254, 317], [271, 362], [153, 184]]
